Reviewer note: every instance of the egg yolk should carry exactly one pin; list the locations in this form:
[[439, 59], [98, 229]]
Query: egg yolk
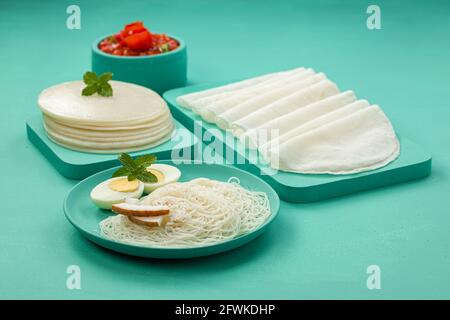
[[158, 174], [123, 185]]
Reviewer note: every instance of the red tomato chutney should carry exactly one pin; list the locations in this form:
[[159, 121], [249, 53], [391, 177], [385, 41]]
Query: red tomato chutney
[[136, 40]]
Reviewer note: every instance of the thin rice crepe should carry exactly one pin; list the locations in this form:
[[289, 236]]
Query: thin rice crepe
[[241, 110], [187, 100], [364, 140], [301, 123], [224, 101], [295, 119], [309, 125], [290, 103]]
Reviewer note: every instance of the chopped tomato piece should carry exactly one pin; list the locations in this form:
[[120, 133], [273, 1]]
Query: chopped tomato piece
[[137, 24], [139, 41], [136, 40], [133, 28]]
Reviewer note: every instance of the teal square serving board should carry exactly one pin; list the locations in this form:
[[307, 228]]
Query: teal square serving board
[[79, 165], [413, 162]]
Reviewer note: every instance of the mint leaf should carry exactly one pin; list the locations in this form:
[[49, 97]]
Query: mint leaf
[[132, 177], [147, 177], [105, 77], [136, 169], [105, 90], [90, 78], [96, 84], [89, 90], [127, 161], [121, 172], [145, 161]]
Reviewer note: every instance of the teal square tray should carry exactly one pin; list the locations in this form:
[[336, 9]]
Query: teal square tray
[[79, 165], [413, 162]]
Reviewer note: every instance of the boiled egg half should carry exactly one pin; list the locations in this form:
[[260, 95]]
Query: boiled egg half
[[115, 190], [164, 173]]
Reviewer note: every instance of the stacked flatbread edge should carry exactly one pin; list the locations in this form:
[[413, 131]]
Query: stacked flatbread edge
[[300, 122], [134, 118]]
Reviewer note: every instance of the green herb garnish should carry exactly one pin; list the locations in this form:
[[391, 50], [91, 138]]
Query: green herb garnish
[[98, 84], [136, 168], [112, 39], [164, 47]]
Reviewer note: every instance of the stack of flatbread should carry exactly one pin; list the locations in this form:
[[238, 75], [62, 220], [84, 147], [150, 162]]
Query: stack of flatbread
[[300, 122], [134, 118]]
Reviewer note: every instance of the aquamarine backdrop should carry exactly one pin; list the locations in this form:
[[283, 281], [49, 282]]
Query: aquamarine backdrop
[[318, 250]]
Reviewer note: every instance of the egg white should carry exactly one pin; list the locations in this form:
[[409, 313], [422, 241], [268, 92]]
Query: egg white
[[104, 197], [171, 174]]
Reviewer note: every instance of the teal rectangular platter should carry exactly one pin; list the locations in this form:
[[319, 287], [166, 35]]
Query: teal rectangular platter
[[79, 165], [413, 162]]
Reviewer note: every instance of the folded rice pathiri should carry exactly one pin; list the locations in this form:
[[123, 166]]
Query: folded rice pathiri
[[295, 119], [222, 102], [225, 119], [364, 140], [187, 100], [292, 102]]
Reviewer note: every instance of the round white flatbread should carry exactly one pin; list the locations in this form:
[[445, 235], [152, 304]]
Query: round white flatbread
[[114, 147], [117, 135], [129, 104], [99, 144], [95, 137], [134, 118]]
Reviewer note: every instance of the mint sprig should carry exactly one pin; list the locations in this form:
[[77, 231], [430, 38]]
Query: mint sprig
[[136, 168], [98, 84]]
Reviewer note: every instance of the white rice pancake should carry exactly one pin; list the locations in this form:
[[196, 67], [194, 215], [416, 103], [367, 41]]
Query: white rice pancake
[[189, 99], [317, 129], [96, 137], [224, 120], [296, 118], [292, 102], [226, 101], [129, 103], [161, 118], [111, 147], [364, 140], [109, 151], [211, 113], [265, 148], [134, 118], [101, 130], [307, 126]]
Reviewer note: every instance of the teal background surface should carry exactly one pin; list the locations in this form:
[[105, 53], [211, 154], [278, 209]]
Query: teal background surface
[[318, 250]]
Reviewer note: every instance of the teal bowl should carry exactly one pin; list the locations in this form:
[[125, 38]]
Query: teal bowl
[[158, 72]]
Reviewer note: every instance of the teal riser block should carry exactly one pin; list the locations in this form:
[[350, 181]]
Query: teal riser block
[[413, 162], [79, 165]]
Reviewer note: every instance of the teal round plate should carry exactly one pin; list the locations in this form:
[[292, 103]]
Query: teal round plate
[[85, 216]]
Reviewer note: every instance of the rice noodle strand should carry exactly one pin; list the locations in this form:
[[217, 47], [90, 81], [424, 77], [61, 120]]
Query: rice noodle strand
[[203, 212]]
